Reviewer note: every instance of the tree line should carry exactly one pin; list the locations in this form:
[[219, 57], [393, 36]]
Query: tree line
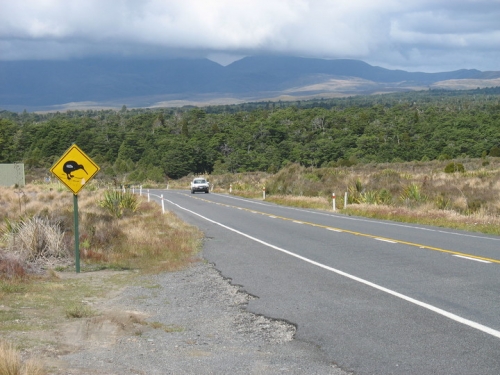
[[155, 144]]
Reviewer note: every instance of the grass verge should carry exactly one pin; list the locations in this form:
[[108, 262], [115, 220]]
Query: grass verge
[[41, 294]]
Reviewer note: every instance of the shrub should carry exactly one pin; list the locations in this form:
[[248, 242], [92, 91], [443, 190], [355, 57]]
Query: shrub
[[36, 238], [11, 364], [444, 157], [369, 197], [412, 193], [10, 267], [10, 360], [495, 151], [79, 311], [454, 167], [355, 193], [442, 202], [118, 203], [385, 197], [474, 205]]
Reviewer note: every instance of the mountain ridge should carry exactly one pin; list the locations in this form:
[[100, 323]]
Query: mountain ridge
[[45, 84]]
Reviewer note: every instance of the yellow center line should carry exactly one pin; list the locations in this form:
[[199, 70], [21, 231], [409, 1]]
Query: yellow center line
[[358, 233]]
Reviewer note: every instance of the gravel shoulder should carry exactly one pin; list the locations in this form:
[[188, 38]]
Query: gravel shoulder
[[188, 322]]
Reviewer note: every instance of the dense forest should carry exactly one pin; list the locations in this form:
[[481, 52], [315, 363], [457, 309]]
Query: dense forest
[[156, 144]]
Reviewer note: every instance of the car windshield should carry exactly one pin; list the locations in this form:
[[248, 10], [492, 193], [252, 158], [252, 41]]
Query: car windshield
[[199, 181]]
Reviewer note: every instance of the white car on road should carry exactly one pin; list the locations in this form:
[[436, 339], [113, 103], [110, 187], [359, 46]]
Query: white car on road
[[199, 184]]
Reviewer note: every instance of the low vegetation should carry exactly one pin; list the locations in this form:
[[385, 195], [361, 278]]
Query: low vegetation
[[119, 232], [160, 144], [428, 192], [11, 363], [126, 235]]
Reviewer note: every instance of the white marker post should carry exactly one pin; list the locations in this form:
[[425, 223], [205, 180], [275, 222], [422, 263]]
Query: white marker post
[[162, 204], [333, 201], [140, 190], [345, 200], [148, 195], [264, 193]]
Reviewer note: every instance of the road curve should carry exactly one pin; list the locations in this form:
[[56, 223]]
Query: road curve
[[377, 297]]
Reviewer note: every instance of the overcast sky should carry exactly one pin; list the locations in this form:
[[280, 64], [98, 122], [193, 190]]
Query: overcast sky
[[414, 35]]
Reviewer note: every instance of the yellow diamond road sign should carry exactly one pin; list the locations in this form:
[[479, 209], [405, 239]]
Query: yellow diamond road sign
[[75, 169]]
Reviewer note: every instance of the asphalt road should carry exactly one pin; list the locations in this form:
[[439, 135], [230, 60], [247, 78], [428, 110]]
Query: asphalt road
[[377, 297]]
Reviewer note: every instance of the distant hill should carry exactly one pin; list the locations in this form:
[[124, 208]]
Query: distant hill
[[43, 85]]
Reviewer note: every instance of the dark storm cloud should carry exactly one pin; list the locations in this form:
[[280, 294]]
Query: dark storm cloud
[[412, 35]]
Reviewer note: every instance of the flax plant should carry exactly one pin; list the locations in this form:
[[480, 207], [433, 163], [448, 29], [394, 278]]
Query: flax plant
[[119, 203]]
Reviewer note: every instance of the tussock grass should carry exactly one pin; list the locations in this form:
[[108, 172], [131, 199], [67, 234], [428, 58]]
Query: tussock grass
[[37, 238], [146, 240], [79, 310], [117, 231], [418, 192], [303, 202], [441, 218], [11, 363]]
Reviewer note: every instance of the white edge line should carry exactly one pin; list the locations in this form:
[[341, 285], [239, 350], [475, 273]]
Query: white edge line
[[384, 240], [432, 308], [371, 221], [468, 258]]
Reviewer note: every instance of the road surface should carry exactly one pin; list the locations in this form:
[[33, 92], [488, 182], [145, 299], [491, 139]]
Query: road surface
[[377, 297]]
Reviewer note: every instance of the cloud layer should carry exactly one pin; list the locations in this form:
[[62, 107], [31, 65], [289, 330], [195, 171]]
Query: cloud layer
[[427, 35]]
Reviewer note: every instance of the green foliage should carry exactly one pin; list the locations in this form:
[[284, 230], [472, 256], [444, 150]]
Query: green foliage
[[369, 197], [154, 144], [355, 192], [454, 167], [312, 177], [382, 196], [474, 205], [118, 203], [412, 194], [385, 197], [79, 310], [495, 151], [442, 202]]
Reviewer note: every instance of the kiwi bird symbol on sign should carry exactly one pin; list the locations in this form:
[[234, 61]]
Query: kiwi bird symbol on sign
[[71, 166]]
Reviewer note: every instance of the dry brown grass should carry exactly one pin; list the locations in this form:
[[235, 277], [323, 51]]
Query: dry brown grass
[[418, 191], [145, 240], [11, 363], [41, 227], [478, 222], [249, 184], [321, 203]]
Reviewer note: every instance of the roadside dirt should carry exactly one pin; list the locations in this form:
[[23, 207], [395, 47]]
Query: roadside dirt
[[49, 334], [192, 321]]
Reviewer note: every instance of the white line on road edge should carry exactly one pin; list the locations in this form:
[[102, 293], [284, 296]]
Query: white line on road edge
[[343, 217], [384, 240], [468, 258], [435, 309]]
